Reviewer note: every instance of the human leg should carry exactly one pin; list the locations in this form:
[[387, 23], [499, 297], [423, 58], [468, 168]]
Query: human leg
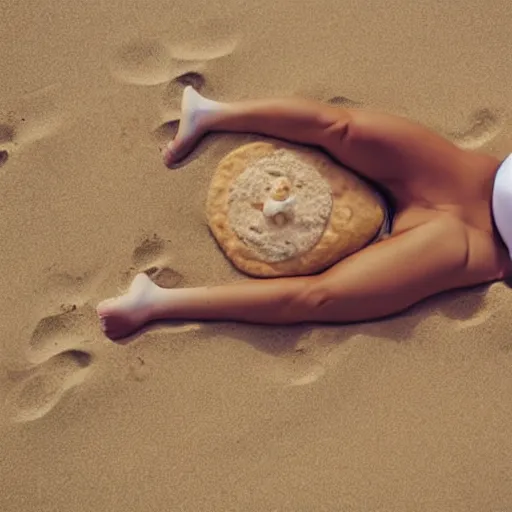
[[272, 301], [380, 280], [293, 119], [397, 153]]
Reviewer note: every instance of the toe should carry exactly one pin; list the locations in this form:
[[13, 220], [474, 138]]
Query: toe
[[177, 150], [168, 156], [103, 307]]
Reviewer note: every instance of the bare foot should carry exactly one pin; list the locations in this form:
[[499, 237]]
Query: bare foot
[[123, 315], [196, 112]]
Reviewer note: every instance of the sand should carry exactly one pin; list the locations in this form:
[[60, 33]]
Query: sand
[[409, 414]]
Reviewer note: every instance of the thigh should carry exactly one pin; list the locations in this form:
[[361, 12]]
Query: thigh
[[394, 274], [396, 152]]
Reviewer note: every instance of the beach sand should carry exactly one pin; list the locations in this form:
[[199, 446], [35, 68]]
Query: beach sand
[[409, 414]]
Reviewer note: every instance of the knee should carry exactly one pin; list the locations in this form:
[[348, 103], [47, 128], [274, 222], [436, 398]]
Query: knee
[[311, 299], [335, 129]]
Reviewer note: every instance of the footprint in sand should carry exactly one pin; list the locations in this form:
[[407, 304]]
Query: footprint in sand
[[485, 125], [59, 349], [294, 368], [146, 62], [342, 101], [151, 256], [61, 332], [28, 119], [153, 61], [206, 40], [313, 373], [296, 371], [148, 249], [40, 388], [65, 289], [7, 134], [468, 310], [323, 94], [166, 131]]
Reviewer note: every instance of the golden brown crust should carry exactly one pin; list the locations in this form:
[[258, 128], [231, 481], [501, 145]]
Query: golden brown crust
[[356, 217]]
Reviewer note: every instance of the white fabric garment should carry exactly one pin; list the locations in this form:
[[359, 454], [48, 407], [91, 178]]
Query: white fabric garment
[[502, 202]]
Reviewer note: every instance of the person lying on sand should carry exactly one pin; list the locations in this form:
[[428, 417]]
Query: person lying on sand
[[452, 224]]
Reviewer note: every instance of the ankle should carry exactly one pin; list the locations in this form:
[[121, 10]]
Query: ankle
[[161, 303]]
